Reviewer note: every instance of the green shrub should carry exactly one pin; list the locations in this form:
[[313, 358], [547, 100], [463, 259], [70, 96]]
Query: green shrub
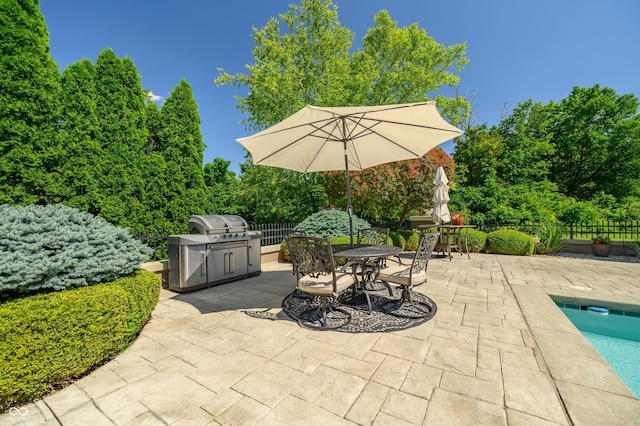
[[49, 340], [507, 241], [398, 239], [635, 245], [411, 239], [476, 240], [57, 247], [330, 223], [551, 235]]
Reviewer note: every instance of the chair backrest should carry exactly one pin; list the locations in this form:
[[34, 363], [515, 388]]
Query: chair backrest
[[377, 236], [311, 256], [295, 232], [423, 253]]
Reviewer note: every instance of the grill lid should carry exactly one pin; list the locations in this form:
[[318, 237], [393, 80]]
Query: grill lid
[[217, 224]]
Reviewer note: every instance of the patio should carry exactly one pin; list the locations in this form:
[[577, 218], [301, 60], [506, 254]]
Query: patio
[[497, 352]]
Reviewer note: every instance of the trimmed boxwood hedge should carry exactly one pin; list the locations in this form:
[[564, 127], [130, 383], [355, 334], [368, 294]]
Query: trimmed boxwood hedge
[[397, 239], [507, 241], [411, 240], [476, 240], [49, 340]]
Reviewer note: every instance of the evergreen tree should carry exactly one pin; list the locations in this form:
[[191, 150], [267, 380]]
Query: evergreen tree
[[28, 113], [183, 150], [222, 187], [120, 107], [82, 154], [155, 194]]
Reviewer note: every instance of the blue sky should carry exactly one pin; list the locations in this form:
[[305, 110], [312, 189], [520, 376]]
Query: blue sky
[[518, 50]]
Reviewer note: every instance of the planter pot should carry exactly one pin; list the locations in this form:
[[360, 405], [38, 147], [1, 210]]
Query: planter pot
[[457, 218], [601, 250]]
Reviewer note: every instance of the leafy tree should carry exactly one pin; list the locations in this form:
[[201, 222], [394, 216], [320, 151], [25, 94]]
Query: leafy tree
[[411, 188], [28, 106], [222, 188], [496, 203], [311, 64], [273, 195], [120, 107], [526, 145], [390, 190], [597, 137], [476, 156], [183, 149], [80, 150], [307, 64], [401, 65]]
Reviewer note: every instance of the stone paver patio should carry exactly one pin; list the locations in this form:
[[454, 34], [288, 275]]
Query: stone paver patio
[[498, 352]]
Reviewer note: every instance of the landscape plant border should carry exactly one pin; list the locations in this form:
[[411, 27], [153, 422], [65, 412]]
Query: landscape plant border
[[49, 340]]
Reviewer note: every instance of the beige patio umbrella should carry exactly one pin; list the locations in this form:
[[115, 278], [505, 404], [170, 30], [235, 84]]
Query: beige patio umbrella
[[350, 138], [440, 212]]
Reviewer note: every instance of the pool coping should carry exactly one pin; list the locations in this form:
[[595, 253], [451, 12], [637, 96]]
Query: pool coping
[[584, 380]]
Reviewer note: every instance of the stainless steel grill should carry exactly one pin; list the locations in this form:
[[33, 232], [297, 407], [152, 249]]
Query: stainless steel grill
[[219, 249]]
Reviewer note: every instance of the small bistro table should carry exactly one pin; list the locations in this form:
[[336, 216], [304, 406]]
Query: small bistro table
[[451, 232], [363, 253]]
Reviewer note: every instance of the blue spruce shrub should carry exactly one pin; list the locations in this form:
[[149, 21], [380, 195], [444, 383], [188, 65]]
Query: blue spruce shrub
[[56, 247], [330, 223]]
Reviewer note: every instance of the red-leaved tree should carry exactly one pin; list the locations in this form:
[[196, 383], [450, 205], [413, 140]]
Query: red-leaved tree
[[392, 190]]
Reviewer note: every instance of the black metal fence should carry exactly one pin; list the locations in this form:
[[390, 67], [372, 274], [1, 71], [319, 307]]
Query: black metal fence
[[274, 233], [158, 240], [626, 231]]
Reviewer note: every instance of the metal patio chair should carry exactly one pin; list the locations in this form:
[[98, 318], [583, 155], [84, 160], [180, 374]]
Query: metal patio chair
[[407, 276], [373, 236], [316, 275]]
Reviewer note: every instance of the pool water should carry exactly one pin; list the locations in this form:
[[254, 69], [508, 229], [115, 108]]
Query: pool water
[[615, 336]]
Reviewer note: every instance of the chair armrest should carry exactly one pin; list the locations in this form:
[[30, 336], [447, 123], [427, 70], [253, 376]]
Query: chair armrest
[[348, 265], [398, 259]]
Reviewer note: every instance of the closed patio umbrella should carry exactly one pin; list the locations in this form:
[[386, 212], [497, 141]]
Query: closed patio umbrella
[[440, 211], [350, 138]]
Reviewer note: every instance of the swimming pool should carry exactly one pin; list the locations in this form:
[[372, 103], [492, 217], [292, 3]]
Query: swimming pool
[[615, 335]]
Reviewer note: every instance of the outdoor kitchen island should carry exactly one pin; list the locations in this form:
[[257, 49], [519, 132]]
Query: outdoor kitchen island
[[219, 249]]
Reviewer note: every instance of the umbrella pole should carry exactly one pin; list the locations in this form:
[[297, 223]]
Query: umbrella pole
[[349, 207], [346, 171]]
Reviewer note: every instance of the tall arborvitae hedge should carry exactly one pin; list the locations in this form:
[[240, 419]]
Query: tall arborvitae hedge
[[122, 136], [89, 137], [28, 114], [155, 196], [82, 154], [182, 147]]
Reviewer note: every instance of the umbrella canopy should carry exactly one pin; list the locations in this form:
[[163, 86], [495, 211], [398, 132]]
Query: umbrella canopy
[[440, 210], [350, 138]]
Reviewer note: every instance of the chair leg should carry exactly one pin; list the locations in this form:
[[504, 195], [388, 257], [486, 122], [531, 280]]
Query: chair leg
[[405, 307], [325, 316]]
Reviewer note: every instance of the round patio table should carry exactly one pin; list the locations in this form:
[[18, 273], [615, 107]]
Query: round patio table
[[364, 253]]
